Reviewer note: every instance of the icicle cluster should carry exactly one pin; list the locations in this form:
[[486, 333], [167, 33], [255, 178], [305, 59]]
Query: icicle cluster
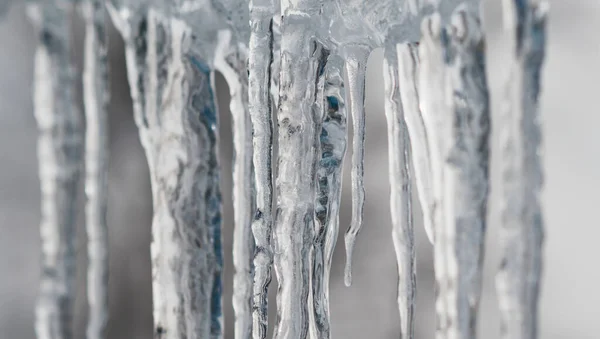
[[288, 60]]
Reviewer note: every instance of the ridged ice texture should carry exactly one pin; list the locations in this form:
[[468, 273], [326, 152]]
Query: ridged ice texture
[[176, 114], [60, 146], [408, 65], [400, 192], [522, 234], [259, 72], [302, 60], [333, 139], [230, 60], [454, 96], [95, 96], [356, 69]]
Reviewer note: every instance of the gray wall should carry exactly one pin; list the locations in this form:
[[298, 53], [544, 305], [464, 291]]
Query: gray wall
[[367, 309]]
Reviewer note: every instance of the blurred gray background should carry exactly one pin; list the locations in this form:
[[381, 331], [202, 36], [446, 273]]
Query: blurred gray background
[[570, 296]]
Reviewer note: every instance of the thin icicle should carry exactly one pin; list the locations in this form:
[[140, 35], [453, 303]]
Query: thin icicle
[[400, 192], [356, 69], [408, 62], [454, 95], [302, 61], [522, 234], [60, 145], [95, 96], [259, 77], [329, 188], [231, 62]]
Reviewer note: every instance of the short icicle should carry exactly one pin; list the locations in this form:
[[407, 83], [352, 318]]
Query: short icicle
[[356, 69], [408, 64], [400, 192], [454, 95], [298, 119], [259, 107], [522, 233], [231, 62], [333, 139], [95, 97], [60, 146]]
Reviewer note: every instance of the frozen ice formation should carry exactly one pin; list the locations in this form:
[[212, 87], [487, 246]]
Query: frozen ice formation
[[286, 61], [60, 149], [522, 234]]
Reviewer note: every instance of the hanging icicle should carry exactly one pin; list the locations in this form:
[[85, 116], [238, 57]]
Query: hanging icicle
[[301, 58], [333, 138], [95, 96], [356, 69], [453, 92], [259, 68], [60, 146], [522, 233]]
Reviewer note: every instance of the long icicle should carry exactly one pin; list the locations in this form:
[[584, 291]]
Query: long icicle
[[231, 62], [453, 81], [95, 96], [521, 234], [408, 63], [176, 113], [298, 117], [356, 69], [60, 145], [259, 77], [333, 139], [400, 192]]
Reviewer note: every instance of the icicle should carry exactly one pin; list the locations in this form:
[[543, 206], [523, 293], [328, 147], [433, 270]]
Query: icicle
[[175, 110], [60, 145], [454, 95], [259, 63], [231, 62], [95, 96], [356, 68], [408, 67], [333, 137], [521, 236], [298, 119], [400, 194]]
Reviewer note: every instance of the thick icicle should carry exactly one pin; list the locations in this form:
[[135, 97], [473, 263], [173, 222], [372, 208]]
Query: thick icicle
[[454, 94], [408, 63], [333, 138], [259, 77], [95, 96], [356, 69], [175, 110], [400, 192], [302, 61], [231, 62], [60, 145], [522, 232]]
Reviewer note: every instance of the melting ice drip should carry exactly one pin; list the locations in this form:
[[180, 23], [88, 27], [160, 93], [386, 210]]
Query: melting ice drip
[[290, 62]]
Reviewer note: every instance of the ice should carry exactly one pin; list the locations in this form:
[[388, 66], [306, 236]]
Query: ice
[[260, 108], [95, 95], [454, 98], [60, 146], [333, 138], [400, 194], [301, 58], [522, 234]]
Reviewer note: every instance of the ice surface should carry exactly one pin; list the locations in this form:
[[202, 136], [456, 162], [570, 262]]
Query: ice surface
[[95, 96], [400, 193], [454, 97], [60, 146], [521, 235]]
